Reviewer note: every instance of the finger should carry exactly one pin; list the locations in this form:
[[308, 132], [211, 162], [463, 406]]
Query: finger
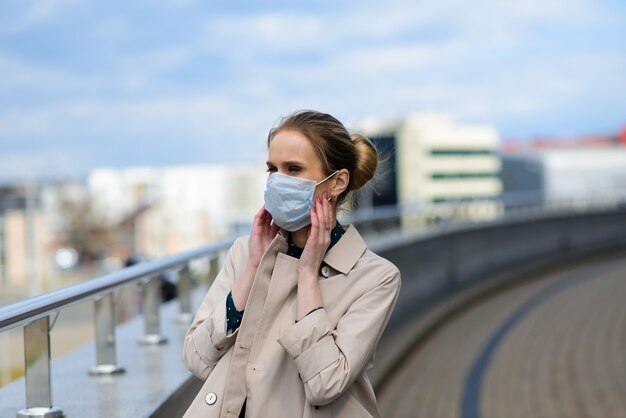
[[330, 213], [329, 219], [319, 212], [266, 219], [258, 219], [274, 229], [314, 217], [266, 216], [314, 224], [321, 225], [320, 209], [272, 225], [324, 218]]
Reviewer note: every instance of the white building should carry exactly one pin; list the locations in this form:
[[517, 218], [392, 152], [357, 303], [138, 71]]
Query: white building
[[552, 175], [435, 159], [181, 207], [31, 224]]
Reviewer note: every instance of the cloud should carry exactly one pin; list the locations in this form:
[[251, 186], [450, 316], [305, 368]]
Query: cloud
[[28, 14], [217, 83], [30, 82], [187, 116], [39, 165], [188, 129], [112, 31]]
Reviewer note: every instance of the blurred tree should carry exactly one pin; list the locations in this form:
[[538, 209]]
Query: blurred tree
[[86, 231]]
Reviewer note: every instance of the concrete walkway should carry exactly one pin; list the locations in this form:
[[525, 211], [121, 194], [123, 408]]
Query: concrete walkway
[[553, 347]]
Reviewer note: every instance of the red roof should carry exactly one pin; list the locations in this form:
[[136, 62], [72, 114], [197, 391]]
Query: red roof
[[584, 141]]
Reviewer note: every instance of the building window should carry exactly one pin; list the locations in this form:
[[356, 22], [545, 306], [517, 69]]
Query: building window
[[443, 176], [464, 199], [460, 152]]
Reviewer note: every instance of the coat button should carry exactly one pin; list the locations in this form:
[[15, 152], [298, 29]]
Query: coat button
[[325, 271], [211, 398]]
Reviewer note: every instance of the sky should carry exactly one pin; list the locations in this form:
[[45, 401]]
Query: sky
[[87, 84]]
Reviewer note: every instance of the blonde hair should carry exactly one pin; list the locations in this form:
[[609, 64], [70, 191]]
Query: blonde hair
[[336, 148]]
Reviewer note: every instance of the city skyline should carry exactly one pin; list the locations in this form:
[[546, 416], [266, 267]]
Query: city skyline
[[87, 85]]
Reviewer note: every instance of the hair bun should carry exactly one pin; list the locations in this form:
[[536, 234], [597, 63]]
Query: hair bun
[[366, 161]]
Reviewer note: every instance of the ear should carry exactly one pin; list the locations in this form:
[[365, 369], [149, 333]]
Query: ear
[[342, 178]]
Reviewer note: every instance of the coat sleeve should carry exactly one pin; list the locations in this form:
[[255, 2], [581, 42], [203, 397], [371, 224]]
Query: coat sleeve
[[328, 360], [207, 339]]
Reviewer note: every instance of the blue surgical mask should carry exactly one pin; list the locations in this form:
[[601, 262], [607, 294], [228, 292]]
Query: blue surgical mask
[[289, 200]]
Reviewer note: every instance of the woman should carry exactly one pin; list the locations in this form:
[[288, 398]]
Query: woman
[[290, 324]]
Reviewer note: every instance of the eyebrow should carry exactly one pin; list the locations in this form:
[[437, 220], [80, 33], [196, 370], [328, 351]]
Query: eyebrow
[[292, 162]]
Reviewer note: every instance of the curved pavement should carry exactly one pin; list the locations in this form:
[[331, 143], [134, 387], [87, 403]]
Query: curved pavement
[[552, 347]]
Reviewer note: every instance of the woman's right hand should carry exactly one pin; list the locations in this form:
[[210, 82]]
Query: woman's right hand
[[263, 232]]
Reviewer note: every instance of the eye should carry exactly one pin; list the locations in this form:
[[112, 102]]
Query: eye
[[270, 169], [294, 168]]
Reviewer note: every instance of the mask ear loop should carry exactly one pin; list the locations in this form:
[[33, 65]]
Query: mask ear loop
[[322, 181]]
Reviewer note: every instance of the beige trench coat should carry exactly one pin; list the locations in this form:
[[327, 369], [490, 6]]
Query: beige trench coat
[[313, 368]]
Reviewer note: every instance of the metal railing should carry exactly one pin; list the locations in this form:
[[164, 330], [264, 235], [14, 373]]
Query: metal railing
[[424, 215], [38, 314]]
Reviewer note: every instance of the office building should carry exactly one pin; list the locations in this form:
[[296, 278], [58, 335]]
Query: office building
[[434, 159]]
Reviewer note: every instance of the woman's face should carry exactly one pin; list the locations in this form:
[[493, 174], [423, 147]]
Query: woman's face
[[292, 153]]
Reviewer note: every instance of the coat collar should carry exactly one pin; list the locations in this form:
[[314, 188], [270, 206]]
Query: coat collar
[[344, 254]]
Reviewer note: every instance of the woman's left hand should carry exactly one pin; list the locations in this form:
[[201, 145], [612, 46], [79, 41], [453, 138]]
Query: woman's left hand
[[322, 222]]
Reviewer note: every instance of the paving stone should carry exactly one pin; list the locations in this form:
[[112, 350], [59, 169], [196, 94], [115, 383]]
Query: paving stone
[[565, 357]]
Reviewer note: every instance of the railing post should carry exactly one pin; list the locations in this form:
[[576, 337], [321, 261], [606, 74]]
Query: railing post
[[37, 362], [184, 296], [152, 323], [104, 321], [214, 268]]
